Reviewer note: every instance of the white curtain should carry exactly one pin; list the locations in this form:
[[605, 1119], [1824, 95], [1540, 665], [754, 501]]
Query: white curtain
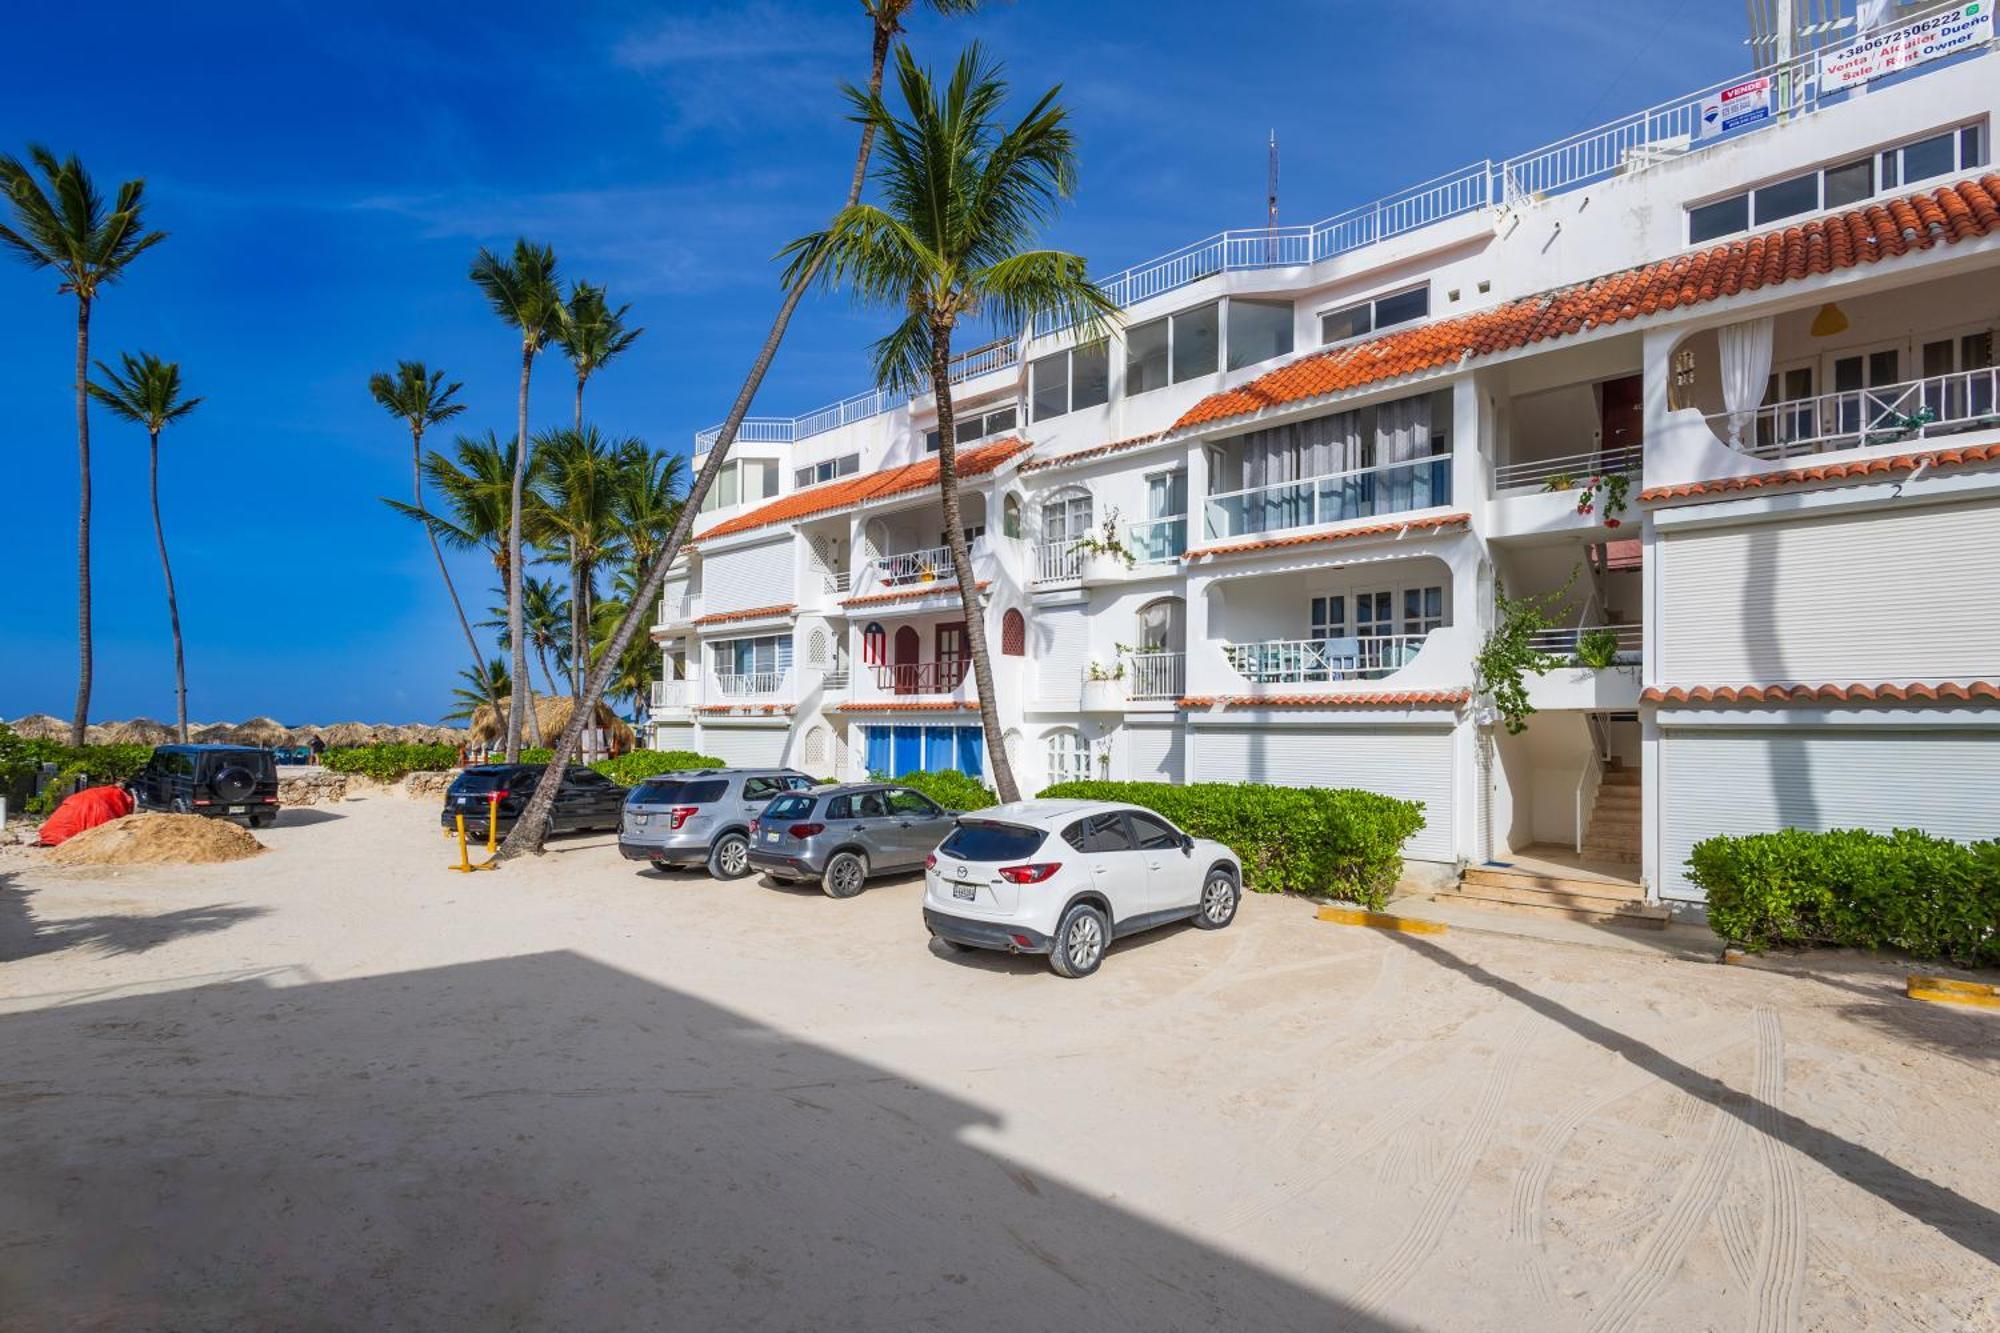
[[1871, 14], [1746, 372]]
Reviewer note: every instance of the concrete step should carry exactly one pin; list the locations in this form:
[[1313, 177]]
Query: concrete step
[[1621, 796], [1600, 912], [1613, 830], [1620, 779], [1510, 880]]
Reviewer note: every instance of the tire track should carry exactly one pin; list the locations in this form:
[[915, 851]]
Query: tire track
[[1781, 1259], [1440, 1206], [1661, 1253], [1739, 1241]]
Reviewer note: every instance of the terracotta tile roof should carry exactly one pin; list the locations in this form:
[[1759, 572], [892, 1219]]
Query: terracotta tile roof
[[908, 706], [758, 710], [1895, 227], [873, 486], [1376, 699], [754, 613], [1859, 468], [1435, 523], [1087, 455], [1888, 692], [911, 594], [1628, 554]]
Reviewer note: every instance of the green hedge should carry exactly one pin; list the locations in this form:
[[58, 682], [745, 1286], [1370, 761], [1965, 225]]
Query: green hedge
[[1904, 890], [1314, 840], [949, 788], [96, 765], [391, 763], [628, 770]]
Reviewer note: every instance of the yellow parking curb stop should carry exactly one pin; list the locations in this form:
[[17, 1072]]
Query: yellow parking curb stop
[[1409, 925], [1943, 990]]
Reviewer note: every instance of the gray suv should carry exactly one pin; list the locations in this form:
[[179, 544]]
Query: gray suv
[[702, 817], [842, 835]]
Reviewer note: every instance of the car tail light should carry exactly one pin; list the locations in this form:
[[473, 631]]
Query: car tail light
[[203, 800], [680, 814], [1033, 874], [930, 860], [500, 795], [806, 830]]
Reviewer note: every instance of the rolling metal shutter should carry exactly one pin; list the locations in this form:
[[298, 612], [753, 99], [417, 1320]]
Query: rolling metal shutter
[[1155, 754], [1946, 783], [674, 736], [1409, 763], [746, 747], [1059, 640], [749, 578]]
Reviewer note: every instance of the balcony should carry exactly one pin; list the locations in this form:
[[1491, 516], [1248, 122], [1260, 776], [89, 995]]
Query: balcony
[[1629, 640], [680, 610], [1539, 472], [1323, 661], [1159, 541], [1927, 409], [922, 677], [732, 686], [911, 568], [1373, 492], [672, 694], [1611, 686], [1158, 675]]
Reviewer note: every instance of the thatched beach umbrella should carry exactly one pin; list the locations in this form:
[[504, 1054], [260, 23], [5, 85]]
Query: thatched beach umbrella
[[40, 727], [553, 713], [343, 734], [213, 733], [140, 731]]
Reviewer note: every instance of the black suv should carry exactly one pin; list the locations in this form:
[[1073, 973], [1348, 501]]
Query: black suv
[[588, 799], [226, 781]]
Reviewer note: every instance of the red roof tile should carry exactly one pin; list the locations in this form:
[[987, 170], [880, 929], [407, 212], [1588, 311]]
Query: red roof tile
[[1888, 692], [908, 706], [910, 594], [1436, 523], [1945, 215], [754, 613], [1376, 699], [1087, 455], [1859, 468], [874, 486]]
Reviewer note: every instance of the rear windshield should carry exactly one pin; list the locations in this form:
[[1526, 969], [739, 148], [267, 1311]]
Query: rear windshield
[[789, 807], [679, 791], [491, 779], [252, 759], [979, 840]]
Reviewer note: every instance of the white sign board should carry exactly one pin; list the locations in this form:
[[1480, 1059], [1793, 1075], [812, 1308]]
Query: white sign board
[[1733, 108], [1959, 28]]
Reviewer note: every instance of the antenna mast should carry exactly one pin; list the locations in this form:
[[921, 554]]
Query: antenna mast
[[1271, 203]]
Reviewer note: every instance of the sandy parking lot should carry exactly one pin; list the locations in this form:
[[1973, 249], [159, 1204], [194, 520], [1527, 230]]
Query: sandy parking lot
[[338, 1087]]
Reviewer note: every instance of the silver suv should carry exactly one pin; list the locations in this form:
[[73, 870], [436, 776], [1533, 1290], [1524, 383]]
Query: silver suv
[[842, 835], [702, 817]]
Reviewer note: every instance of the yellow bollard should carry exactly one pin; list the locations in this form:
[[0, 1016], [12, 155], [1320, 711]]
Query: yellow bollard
[[492, 823], [464, 857]]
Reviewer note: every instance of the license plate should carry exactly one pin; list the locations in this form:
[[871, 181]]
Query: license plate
[[640, 820], [770, 837], [238, 809], [967, 892]]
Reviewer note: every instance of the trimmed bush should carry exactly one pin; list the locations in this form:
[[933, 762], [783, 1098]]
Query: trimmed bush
[[390, 763], [949, 788], [1314, 840], [628, 770], [95, 765], [1905, 890]]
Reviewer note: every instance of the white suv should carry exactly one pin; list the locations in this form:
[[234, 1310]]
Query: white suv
[[1065, 878]]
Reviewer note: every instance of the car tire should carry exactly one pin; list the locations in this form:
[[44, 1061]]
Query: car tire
[[1082, 936], [262, 821], [729, 858], [951, 946], [845, 875], [1220, 897], [181, 806]]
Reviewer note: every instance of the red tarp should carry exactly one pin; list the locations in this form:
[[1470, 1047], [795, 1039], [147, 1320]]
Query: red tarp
[[86, 810]]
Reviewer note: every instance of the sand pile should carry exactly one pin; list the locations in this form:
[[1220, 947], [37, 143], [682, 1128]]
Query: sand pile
[[158, 840]]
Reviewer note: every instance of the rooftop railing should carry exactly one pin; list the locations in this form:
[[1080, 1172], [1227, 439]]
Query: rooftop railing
[[1629, 144], [983, 360]]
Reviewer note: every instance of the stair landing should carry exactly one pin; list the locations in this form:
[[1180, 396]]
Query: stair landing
[[1555, 881]]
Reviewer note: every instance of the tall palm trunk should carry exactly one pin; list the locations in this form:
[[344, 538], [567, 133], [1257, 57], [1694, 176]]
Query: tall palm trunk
[[579, 661], [444, 570], [961, 563], [517, 701], [173, 604], [533, 826], [579, 403], [81, 718]]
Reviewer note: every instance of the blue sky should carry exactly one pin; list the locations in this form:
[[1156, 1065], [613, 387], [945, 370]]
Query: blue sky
[[327, 172]]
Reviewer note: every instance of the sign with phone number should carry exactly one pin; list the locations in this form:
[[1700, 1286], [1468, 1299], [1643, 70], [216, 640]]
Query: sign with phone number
[[1957, 29]]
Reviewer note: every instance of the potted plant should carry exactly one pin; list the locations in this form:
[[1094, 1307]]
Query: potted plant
[[1597, 648], [1103, 553], [1104, 687]]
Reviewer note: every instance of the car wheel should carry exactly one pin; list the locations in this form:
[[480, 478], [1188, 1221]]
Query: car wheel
[[182, 806], [1219, 898], [262, 821], [730, 857], [1081, 939], [845, 874], [952, 946]]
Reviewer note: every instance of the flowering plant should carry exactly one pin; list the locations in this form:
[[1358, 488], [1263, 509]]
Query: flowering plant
[[1609, 489]]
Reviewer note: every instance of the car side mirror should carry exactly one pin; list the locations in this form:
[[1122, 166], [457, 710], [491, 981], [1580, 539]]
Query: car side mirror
[[1187, 844]]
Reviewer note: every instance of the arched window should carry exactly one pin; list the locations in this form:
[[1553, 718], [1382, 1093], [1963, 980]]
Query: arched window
[[874, 645], [1010, 515], [816, 749], [816, 648], [1013, 634], [1163, 626], [1068, 756], [1066, 515]]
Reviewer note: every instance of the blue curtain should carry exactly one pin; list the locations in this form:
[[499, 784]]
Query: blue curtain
[[879, 757], [972, 752], [937, 749], [909, 751]]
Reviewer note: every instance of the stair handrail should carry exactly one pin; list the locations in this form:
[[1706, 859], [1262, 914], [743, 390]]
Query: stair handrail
[[1591, 776]]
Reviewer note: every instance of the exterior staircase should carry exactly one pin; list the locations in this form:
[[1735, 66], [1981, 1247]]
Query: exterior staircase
[[1613, 831], [1600, 885]]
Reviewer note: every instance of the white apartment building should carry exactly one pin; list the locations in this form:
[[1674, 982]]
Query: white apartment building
[[1771, 306]]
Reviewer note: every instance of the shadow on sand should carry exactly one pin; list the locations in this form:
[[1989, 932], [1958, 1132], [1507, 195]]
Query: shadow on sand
[[23, 935]]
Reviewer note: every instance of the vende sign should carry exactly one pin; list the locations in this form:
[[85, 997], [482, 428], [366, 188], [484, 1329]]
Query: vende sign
[[1959, 28], [1733, 108]]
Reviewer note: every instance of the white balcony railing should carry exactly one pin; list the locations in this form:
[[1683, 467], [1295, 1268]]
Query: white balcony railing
[[1158, 675], [834, 682], [1158, 541], [930, 565], [1056, 561], [1860, 418], [1631, 639], [1539, 472], [984, 360], [1393, 488], [752, 684], [671, 694], [1322, 661], [679, 610]]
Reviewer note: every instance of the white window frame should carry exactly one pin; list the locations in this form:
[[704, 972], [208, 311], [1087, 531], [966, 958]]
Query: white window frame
[[1372, 300]]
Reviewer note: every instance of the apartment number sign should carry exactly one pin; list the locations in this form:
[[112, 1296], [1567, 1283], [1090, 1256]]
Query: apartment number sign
[[1957, 29]]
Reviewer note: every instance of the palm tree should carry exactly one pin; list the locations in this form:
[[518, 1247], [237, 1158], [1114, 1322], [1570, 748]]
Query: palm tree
[[545, 610], [485, 686], [574, 508], [631, 678], [648, 499], [592, 334], [67, 228], [420, 398], [885, 23], [964, 198], [526, 295], [149, 394]]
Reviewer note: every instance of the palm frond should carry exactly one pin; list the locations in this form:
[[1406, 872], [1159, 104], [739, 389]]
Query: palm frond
[[147, 392]]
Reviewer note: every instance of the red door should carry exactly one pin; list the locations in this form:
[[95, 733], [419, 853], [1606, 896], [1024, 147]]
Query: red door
[[909, 649], [952, 656], [1623, 413]]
